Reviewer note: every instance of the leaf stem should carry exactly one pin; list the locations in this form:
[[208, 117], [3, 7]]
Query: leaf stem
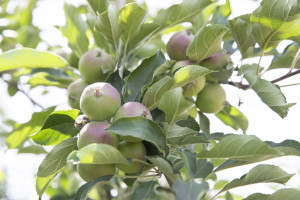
[[260, 58], [295, 61]]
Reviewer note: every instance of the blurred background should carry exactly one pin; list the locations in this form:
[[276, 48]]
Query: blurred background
[[35, 24]]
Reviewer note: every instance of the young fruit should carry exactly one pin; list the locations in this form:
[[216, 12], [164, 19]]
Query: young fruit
[[81, 121], [100, 101], [94, 132], [216, 60], [132, 109], [95, 65], [90, 172], [133, 150], [74, 92], [178, 43], [211, 99]]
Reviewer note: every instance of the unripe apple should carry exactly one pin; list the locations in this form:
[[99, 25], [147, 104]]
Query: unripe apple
[[180, 64], [90, 172], [100, 101], [147, 50], [216, 60], [211, 99], [95, 65], [94, 132], [81, 121], [178, 43], [192, 111], [133, 150], [74, 92], [132, 109]]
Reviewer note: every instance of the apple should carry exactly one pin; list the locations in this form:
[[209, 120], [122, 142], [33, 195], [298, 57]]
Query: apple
[[94, 132], [178, 43], [133, 150], [95, 65], [216, 60], [132, 109], [90, 172], [81, 121], [74, 92], [100, 101], [211, 99]]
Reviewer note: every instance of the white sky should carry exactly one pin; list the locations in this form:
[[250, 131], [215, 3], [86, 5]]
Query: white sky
[[263, 122]]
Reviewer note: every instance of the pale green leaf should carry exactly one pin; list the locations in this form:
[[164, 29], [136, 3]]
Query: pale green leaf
[[286, 194], [176, 133], [242, 148], [270, 94], [206, 42], [189, 190], [275, 20], [174, 106], [26, 57], [164, 166], [98, 5]]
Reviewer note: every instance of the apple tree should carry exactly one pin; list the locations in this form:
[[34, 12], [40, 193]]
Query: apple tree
[[138, 121]]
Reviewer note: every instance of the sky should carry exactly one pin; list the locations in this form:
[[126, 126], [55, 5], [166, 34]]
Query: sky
[[263, 122]]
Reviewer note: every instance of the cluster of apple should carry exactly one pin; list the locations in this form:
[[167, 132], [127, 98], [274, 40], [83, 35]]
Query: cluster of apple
[[210, 94], [101, 104]]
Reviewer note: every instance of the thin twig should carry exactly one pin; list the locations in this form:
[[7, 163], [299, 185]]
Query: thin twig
[[295, 61]]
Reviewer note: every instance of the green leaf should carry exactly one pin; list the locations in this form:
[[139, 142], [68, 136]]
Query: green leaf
[[189, 73], [249, 69], [190, 122], [145, 191], [131, 18], [107, 23], [141, 128], [58, 127], [270, 94], [260, 174], [195, 168], [34, 149], [75, 30], [189, 190], [202, 18], [156, 91], [231, 163], [83, 191], [232, 117], [184, 12], [21, 132], [288, 147], [241, 30], [286, 194], [26, 57], [46, 79], [164, 166], [275, 20], [142, 76], [177, 133], [204, 123], [98, 5], [206, 42], [53, 163], [174, 106], [99, 154], [285, 59], [243, 148]]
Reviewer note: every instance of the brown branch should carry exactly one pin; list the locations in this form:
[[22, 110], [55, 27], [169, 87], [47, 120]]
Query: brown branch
[[245, 87]]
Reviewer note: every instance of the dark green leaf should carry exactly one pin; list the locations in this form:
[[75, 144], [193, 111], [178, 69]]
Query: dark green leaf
[[288, 147], [286, 194], [207, 41], [19, 58], [189, 190], [141, 128], [231, 116], [174, 106], [204, 123], [21, 132], [243, 148], [75, 30], [190, 122], [83, 191], [142, 76], [270, 94], [176, 133], [53, 163], [145, 191], [164, 166], [273, 21], [58, 127]]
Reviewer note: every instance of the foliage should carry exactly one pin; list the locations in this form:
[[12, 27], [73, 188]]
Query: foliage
[[182, 154]]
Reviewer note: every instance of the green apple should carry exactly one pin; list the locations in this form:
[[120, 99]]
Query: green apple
[[211, 99], [74, 92], [133, 150], [90, 172]]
